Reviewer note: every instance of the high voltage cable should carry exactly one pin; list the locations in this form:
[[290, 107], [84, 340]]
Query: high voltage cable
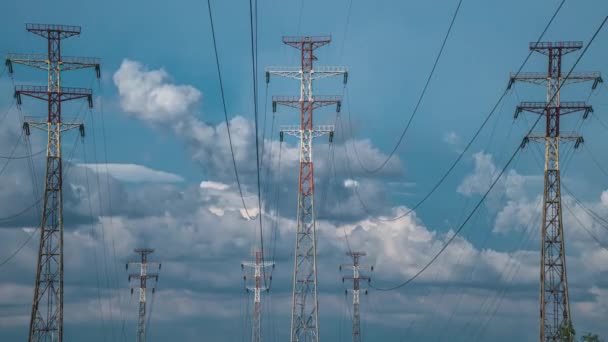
[[28, 208], [110, 207], [10, 157], [595, 216], [254, 67], [24, 156], [91, 234], [451, 239], [470, 143], [595, 161], [100, 222], [424, 89], [600, 243], [219, 73]]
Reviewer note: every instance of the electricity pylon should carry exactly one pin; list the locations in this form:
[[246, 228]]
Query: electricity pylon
[[258, 276], [554, 301], [305, 315], [143, 277], [356, 278], [46, 321]]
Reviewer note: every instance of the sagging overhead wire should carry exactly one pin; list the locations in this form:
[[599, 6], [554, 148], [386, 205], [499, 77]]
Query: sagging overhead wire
[[420, 98], [503, 170], [28, 208], [219, 73], [580, 223], [595, 216], [23, 156], [471, 141], [254, 69]]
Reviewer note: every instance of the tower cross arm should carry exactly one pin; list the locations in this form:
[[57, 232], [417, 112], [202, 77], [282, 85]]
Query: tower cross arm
[[568, 137], [284, 71], [147, 276], [564, 46], [564, 108], [38, 61], [41, 61], [541, 78], [43, 93], [318, 131], [318, 101], [355, 278], [261, 264], [315, 74], [53, 30]]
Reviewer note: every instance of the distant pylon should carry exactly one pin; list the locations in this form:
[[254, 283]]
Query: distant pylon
[[356, 278], [46, 321], [257, 288], [143, 277], [305, 314], [554, 301]]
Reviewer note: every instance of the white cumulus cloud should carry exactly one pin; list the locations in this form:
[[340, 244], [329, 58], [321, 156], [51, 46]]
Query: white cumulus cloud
[[214, 185], [150, 95], [135, 173]]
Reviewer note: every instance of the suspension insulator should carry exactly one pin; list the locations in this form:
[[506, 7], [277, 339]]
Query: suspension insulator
[[9, 65], [26, 128]]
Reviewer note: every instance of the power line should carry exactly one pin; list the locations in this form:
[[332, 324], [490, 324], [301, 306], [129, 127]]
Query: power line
[[219, 73], [420, 98], [110, 208], [95, 259], [28, 208], [254, 68], [600, 243], [470, 143], [598, 218], [24, 156], [100, 222], [444, 247], [10, 157]]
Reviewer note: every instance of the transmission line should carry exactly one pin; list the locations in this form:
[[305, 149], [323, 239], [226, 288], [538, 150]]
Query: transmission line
[[254, 69], [451, 239], [470, 143], [219, 73], [600, 243], [420, 98]]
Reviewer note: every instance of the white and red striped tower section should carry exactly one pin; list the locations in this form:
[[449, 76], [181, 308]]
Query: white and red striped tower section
[[305, 315], [259, 285]]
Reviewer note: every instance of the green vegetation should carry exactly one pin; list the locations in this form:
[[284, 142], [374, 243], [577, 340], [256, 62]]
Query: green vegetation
[[568, 334]]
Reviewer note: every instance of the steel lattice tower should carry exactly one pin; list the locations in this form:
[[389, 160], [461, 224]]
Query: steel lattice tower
[[46, 322], [305, 316], [143, 277], [356, 278], [258, 265], [554, 302]]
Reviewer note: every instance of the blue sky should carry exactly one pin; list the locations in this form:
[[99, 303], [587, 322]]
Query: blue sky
[[160, 152]]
